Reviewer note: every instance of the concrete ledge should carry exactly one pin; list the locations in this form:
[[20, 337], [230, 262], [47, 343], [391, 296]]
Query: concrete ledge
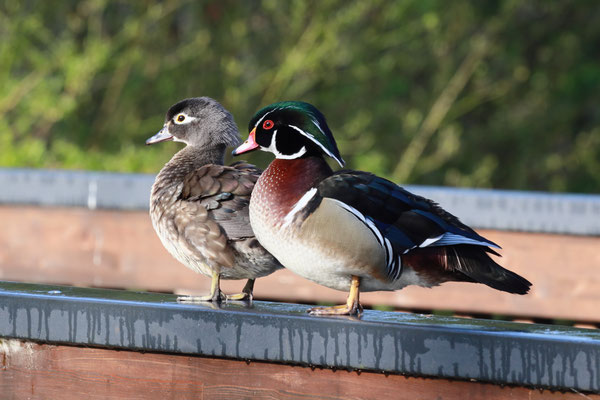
[[480, 208], [452, 348]]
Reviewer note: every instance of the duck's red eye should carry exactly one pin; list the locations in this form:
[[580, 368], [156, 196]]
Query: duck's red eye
[[268, 124]]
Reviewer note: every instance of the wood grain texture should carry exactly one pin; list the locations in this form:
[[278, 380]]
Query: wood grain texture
[[120, 250], [37, 371]]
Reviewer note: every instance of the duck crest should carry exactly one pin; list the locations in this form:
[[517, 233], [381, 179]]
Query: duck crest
[[284, 182]]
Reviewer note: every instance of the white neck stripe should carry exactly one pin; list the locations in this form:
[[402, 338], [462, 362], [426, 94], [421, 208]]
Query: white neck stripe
[[312, 138], [273, 149]]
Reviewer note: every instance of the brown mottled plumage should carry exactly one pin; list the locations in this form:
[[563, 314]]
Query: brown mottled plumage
[[199, 207]]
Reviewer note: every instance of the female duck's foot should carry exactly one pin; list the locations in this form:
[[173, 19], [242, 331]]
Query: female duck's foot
[[215, 295], [245, 295], [214, 298]]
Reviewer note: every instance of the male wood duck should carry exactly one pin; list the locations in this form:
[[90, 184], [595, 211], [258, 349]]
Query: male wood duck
[[199, 207], [352, 230]]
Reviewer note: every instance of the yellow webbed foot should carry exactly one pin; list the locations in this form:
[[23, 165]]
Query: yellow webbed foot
[[352, 306]]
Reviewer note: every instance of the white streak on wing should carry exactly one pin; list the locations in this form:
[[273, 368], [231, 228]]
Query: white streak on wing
[[383, 241], [430, 241], [449, 239], [366, 221], [390, 258], [395, 269], [389, 251], [300, 204]]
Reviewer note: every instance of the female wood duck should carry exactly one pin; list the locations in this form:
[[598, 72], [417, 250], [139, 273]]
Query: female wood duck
[[352, 230], [199, 207]]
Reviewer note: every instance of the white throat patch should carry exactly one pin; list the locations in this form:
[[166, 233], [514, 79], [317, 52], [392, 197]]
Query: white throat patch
[[273, 149]]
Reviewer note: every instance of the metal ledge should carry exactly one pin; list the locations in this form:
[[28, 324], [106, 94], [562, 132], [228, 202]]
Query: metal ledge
[[454, 348], [487, 209]]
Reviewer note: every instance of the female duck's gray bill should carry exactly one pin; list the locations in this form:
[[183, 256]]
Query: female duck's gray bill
[[161, 136]]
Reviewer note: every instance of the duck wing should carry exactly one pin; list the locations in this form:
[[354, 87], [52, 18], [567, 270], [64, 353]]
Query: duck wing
[[224, 191], [416, 229], [212, 211]]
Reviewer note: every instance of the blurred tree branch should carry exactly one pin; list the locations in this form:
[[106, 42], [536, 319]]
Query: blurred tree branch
[[479, 48], [410, 89]]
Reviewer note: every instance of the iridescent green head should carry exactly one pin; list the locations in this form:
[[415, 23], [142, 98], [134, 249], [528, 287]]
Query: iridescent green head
[[290, 130]]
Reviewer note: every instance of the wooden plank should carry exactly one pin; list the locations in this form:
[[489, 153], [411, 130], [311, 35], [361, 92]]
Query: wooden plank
[[40, 371], [120, 249]]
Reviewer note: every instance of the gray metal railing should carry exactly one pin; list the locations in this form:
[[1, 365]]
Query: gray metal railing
[[480, 208]]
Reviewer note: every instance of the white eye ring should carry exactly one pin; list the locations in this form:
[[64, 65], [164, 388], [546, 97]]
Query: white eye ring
[[182, 118]]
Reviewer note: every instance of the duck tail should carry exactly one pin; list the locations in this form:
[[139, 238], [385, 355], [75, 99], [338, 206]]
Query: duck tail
[[476, 264]]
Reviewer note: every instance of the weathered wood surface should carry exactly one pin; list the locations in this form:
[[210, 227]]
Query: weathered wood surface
[[120, 249], [40, 371]]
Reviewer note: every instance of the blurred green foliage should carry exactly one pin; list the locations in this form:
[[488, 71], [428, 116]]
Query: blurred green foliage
[[501, 94]]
